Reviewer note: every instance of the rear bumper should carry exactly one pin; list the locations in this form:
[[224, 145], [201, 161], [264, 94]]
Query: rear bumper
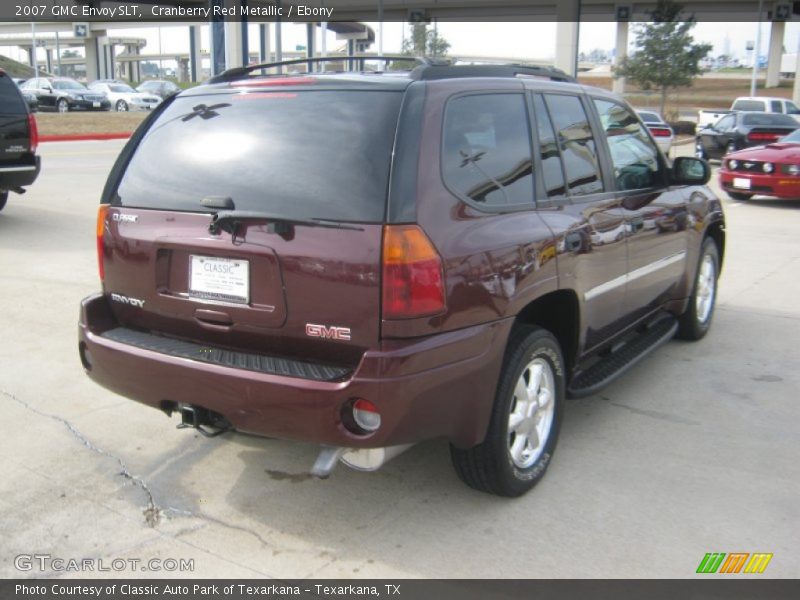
[[144, 106], [88, 105], [777, 185], [437, 386], [19, 174]]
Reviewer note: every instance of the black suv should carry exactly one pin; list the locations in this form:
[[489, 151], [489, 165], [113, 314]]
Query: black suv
[[363, 261], [19, 138]]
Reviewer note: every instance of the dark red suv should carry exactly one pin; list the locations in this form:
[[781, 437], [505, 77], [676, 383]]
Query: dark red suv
[[366, 260]]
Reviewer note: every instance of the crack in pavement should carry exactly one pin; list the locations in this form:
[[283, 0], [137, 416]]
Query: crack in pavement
[[152, 513], [655, 414]]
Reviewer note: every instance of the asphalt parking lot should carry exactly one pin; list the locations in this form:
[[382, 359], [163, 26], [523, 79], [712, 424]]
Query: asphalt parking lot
[[695, 450]]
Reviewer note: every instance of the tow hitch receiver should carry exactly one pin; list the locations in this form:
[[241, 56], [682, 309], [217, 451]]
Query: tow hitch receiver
[[208, 423]]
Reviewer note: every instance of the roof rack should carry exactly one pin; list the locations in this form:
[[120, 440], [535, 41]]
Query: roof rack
[[426, 68], [452, 71], [238, 72]]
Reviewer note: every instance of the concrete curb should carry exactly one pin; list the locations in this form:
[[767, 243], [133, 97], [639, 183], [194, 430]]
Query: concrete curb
[[80, 137]]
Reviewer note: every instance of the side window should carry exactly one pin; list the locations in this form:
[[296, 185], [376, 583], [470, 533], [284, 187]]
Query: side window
[[576, 143], [552, 172], [486, 151], [776, 106], [791, 108], [633, 153], [725, 123]]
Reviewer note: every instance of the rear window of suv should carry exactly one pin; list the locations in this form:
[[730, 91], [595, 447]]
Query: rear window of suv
[[307, 154]]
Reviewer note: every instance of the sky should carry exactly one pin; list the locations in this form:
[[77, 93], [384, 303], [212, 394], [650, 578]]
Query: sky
[[531, 41]]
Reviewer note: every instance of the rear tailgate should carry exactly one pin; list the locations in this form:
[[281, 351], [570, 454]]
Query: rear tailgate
[[296, 291], [14, 134]]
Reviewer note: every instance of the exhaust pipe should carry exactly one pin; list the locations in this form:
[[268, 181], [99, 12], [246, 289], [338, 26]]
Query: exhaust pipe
[[372, 459], [360, 459]]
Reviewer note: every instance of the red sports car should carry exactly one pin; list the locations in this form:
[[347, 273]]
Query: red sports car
[[770, 170]]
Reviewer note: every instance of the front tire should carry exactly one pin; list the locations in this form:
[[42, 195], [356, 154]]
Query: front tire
[[122, 106], [699, 151], [525, 420], [695, 322], [62, 106]]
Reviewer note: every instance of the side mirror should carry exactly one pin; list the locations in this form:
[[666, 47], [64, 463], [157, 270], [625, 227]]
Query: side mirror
[[688, 170]]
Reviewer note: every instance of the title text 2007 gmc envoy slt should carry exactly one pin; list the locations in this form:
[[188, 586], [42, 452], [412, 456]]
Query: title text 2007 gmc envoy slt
[[362, 261]]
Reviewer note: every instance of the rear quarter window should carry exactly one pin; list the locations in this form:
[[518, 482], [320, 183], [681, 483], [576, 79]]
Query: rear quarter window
[[486, 149], [11, 101], [296, 154]]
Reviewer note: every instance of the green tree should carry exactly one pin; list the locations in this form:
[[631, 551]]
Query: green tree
[[666, 56], [425, 42]]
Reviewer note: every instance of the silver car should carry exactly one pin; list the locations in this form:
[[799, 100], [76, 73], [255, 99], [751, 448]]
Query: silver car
[[124, 98]]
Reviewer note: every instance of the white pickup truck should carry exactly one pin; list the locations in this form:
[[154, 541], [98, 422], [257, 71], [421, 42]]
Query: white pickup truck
[[749, 104]]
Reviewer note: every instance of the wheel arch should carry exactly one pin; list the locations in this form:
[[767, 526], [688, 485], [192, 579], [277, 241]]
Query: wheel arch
[[559, 313], [716, 231]]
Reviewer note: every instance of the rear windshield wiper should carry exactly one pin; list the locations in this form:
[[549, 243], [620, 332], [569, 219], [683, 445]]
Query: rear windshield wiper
[[229, 221]]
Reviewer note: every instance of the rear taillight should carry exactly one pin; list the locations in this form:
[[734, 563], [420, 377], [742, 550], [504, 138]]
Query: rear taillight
[[101, 227], [413, 281], [660, 132], [758, 136], [366, 415], [273, 82], [33, 131]]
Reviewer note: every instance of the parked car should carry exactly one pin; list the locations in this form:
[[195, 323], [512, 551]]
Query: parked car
[[64, 94], [160, 87], [770, 170], [108, 81], [766, 104], [124, 98], [742, 130], [409, 265], [19, 139], [662, 133], [749, 104]]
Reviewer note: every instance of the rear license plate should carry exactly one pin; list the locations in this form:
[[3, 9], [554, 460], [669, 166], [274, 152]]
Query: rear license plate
[[224, 279], [96, 104], [741, 182]]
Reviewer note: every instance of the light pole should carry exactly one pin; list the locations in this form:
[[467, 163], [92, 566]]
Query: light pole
[[33, 50], [756, 50]]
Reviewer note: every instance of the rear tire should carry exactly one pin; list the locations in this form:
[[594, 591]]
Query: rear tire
[[3, 199], [740, 196], [695, 322], [62, 106], [525, 420]]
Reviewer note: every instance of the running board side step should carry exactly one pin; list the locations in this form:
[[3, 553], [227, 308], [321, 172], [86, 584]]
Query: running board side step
[[606, 370]]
